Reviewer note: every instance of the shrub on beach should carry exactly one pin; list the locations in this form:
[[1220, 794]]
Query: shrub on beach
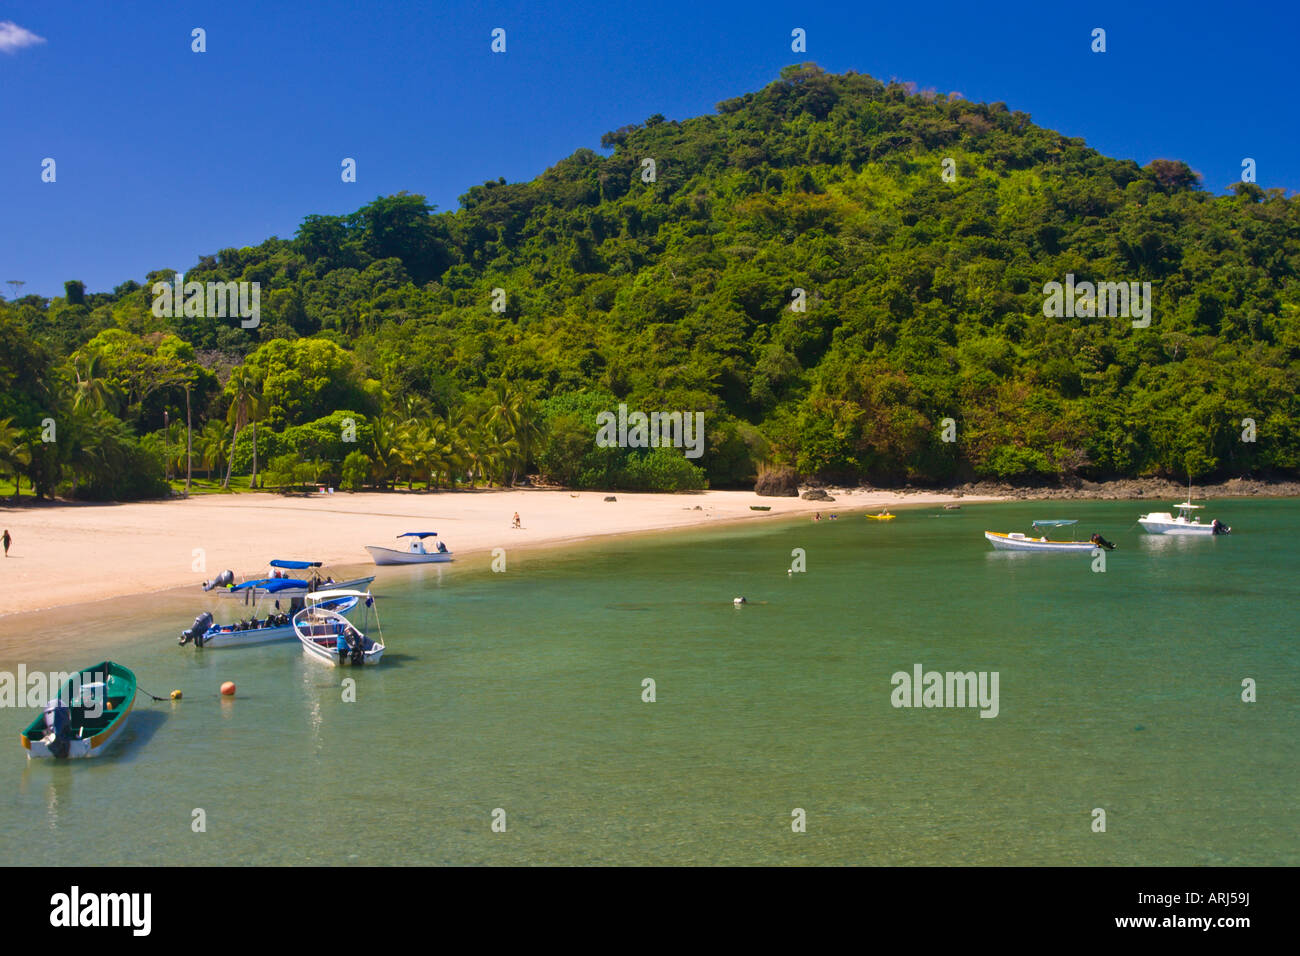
[[660, 469], [355, 469]]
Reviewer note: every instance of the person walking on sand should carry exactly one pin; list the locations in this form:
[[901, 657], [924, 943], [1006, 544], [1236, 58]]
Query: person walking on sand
[[7, 539], [517, 524]]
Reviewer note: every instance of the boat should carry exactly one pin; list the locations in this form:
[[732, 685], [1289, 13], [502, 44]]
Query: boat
[[1185, 522], [416, 551], [276, 626], [328, 636], [1016, 541], [89, 713], [883, 516], [281, 583], [760, 507]]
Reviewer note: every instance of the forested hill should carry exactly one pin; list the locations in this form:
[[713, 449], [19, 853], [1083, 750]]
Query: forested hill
[[663, 275]]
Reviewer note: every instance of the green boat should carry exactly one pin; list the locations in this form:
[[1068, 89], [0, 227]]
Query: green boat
[[89, 713]]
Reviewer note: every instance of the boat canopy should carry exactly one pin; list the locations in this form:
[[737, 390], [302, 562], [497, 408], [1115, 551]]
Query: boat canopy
[[1056, 522], [294, 565], [1189, 506], [337, 593], [418, 534], [270, 585]]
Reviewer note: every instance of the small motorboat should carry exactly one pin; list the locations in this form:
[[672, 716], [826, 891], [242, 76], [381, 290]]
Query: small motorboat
[[90, 711], [416, 552], [276, 626], [1016, 541], [328, 636], [281, 582], [1185, 522]]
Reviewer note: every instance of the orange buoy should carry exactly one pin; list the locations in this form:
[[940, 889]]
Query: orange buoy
[[228, 688]]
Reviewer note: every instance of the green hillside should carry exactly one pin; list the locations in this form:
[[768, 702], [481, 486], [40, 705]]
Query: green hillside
[[924, 302]]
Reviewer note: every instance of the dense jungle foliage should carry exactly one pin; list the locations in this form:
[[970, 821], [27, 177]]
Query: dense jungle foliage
[[663, 275]]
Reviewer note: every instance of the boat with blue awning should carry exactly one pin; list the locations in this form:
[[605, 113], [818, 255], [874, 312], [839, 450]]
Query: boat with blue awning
[[287, 578], [420, 549]]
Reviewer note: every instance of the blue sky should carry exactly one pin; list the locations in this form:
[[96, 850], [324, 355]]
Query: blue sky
[[164, 154]]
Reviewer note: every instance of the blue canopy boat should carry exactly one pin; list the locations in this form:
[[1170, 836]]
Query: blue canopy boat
[[416, 551]]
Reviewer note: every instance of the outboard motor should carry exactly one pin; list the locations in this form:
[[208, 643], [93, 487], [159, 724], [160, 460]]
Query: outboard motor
[[224, 579], [58, 726], [196, 630], [358, 647], [1101, 542]]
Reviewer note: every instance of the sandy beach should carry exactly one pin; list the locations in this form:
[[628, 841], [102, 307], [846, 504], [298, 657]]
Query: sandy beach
[[66, 554]]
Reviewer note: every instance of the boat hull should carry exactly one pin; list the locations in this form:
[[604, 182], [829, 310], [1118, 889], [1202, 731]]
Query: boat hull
[[222, 636], [1189, 528], [93, 735], [385, 556], [1005, 542]]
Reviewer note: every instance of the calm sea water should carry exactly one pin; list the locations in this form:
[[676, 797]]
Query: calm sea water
[[523, 690]]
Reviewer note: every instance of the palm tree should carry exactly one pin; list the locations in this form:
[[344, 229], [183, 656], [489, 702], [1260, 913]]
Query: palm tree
[[518, 425], [212, 445], [93, 389], [244, 387], [387, 453], [15, 453]]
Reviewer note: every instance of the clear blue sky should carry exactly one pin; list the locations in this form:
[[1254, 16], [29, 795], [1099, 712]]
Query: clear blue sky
[[164, 154]]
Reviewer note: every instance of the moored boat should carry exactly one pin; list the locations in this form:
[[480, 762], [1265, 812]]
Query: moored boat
[[416, 551], [286, 579], [328, 636], [89, 713], [276, 626], [1185, 522], [1016, 541]]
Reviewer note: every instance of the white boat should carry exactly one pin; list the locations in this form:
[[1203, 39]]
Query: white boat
[[416, 552], [276, 626], [286, 579], [328, 636], [1016, 541], [1185, 522]]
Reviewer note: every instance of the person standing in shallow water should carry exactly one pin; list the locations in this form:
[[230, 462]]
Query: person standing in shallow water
[[7, 539]]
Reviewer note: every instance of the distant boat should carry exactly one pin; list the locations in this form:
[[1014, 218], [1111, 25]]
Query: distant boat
[[330, 637], [760, 507], [416, 552], [883, 516], [90, 711], [1162, 522], [1016, 541], [276, 626], [281, 583]]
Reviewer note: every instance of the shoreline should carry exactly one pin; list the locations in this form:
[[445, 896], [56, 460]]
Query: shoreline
[[78, 554]]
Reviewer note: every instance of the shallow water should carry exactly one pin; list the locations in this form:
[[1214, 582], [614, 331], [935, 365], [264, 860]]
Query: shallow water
[[522, 691]]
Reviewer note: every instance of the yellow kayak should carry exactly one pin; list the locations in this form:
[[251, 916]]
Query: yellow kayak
[[884, 517]]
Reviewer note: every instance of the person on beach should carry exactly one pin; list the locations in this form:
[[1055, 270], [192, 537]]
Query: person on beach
[[817, 516], [7, 539], [516, 523]]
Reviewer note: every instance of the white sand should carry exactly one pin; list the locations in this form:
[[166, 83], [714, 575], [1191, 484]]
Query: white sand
[[68, 554]]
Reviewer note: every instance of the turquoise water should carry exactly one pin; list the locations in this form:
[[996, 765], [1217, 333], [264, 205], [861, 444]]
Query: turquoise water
[[522, 691]]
